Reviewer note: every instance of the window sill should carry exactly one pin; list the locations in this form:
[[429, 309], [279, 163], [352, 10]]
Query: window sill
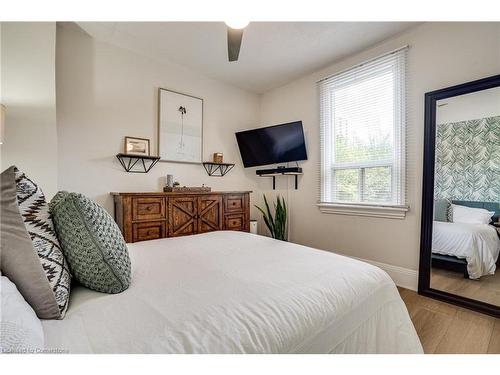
[[358, 209]]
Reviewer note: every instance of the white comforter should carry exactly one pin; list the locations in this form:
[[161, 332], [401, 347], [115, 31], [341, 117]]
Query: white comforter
[[233, 292], [478, 244]]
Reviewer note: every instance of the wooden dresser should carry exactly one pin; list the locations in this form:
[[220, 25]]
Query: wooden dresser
[[149, 216]]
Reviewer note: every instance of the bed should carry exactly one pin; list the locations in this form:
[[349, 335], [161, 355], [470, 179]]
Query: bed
[[234, 292], [469, 248], [477, 244]]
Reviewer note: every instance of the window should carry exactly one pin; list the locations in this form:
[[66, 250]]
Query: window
[[362, 115]]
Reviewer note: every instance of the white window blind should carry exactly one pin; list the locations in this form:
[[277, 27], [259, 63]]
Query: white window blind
[[362, 115]]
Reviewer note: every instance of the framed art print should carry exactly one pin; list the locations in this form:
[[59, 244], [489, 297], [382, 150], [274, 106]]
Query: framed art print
[[136, 146], [180, 127]]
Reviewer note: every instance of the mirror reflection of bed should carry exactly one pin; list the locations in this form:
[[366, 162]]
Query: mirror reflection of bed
[[465, 256], [466, 233]]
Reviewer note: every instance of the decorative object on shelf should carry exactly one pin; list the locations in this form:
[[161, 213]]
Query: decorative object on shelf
[[217, 169], [218, 157], [136, 146], [276, 224], [280, 171], [170, 180], [128, 162], [187, 189], [170, 187], [180, 127]]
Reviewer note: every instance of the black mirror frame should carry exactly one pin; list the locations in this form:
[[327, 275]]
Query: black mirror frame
[[428, 195]]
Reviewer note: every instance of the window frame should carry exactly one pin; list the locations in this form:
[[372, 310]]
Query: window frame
[[361, 167], [397, 208]]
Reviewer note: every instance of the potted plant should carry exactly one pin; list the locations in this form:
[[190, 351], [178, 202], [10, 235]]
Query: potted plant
[[276, 224]]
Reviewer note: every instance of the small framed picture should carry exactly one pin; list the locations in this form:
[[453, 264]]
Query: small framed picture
[[137, 146]]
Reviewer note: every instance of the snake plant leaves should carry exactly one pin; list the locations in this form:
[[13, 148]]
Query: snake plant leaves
[[275, 223]]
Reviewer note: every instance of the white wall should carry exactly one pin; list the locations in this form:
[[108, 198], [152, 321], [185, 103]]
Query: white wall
[[472, 106], [28, 92], [440, 55], [105, 93]]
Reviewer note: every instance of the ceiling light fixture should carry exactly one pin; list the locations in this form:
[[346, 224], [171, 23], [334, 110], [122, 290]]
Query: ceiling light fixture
[[237, 24]]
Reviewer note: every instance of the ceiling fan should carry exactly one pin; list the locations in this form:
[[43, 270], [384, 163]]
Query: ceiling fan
[[234, 37]]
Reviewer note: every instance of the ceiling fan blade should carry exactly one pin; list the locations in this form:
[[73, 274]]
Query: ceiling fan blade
[[234, 37]]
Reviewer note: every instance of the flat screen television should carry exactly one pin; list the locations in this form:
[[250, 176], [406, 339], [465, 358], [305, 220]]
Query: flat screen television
[[273, 144]]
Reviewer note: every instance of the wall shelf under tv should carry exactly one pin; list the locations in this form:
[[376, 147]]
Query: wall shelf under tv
[[283, 171]]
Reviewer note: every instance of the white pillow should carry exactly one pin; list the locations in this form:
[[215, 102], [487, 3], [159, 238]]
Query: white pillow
[[469, 215], [20, 329]]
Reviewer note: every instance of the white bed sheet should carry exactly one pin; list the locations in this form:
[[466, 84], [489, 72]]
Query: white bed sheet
[[478, 244], [233, 292]]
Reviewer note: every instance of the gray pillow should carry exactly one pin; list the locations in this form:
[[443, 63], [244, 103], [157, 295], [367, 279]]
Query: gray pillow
[[92, 243], [37, 267], [441, 209]]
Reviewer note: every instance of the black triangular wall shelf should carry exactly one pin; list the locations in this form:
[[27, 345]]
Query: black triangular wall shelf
[[128, 162]]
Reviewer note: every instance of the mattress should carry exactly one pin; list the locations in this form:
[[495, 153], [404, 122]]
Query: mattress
[[234, 292], [478, 244]]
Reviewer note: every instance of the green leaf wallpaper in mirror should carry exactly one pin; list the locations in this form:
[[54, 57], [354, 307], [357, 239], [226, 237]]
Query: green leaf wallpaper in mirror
[[468, 160]]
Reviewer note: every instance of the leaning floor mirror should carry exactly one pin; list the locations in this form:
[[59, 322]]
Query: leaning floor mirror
[[460, 238]]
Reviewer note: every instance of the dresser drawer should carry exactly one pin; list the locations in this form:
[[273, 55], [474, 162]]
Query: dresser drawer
[[235, 222], [148, 231], [234, 203], [146, 208]]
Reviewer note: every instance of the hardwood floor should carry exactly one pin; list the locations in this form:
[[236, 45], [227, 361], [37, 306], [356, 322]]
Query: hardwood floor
[[446, 329], [486, 289]]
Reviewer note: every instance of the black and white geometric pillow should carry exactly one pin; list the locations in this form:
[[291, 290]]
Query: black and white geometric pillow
[[35, 212]]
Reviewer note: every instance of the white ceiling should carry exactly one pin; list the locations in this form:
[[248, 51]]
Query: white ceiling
[[272, 53]]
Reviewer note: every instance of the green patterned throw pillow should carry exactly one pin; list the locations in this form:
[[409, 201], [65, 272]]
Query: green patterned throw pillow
[[92, 243], [441, 209]]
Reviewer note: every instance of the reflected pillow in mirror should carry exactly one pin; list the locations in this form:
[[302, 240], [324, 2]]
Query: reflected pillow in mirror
[[469, 215], [441, 209]]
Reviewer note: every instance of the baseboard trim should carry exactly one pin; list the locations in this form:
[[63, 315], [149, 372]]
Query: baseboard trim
[[403, 277]]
